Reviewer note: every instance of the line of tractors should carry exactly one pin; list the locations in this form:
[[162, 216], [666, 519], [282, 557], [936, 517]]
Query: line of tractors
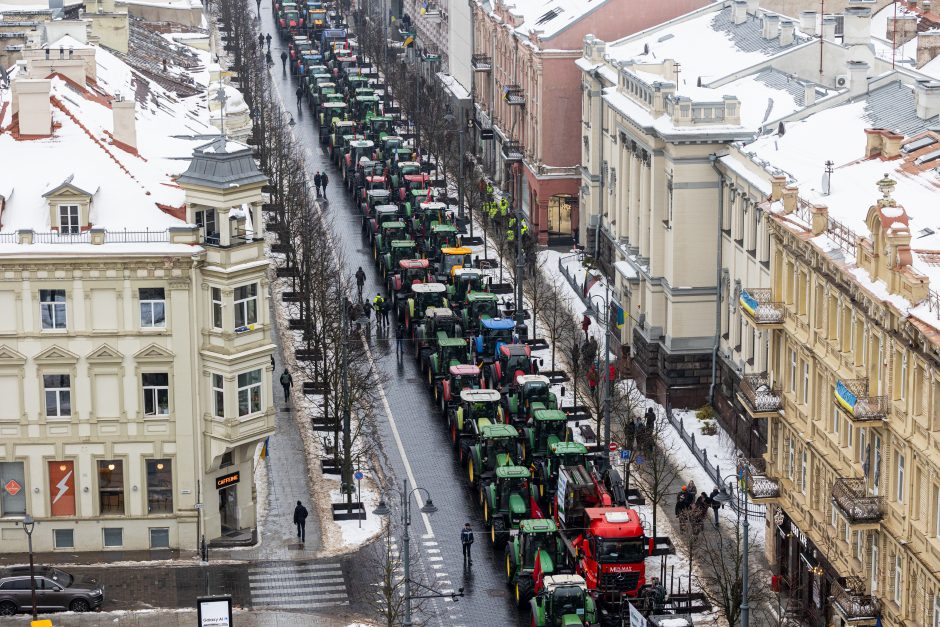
[[552, 504]]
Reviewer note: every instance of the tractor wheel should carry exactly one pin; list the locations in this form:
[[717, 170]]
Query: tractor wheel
[[510, 565], [443, 402], [433, 391], [486, 509], [470, 472], [524, 589], [498, 532], [453, 432], [430, 376], [482, 496]]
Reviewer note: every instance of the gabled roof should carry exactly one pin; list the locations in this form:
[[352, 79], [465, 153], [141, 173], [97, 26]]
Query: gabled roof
[[222, 164], [84, 185]]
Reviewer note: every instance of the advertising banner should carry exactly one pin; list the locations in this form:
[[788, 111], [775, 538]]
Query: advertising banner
[[62, 488]]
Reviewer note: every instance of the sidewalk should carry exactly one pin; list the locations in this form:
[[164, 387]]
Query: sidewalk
[[187, 618]]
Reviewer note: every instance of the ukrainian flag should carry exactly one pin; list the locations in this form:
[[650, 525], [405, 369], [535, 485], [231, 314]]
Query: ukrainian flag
[[748, 302], [618, 310], [409, 40], [846, 398], [264, 450]]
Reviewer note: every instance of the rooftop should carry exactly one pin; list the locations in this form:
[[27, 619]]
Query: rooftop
[[547, 18]]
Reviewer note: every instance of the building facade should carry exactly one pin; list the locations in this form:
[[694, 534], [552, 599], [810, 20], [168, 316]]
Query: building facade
[[527, 97], [135, 350]]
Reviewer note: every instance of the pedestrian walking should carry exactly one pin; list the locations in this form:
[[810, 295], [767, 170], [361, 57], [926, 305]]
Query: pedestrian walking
[[300, 519], [650, 419], [400, 338], [300, 97], [629, 433], [715, 504], [317, 179], [386, 307], [268, 39], [324, 180], [360, 276], [259, 5], [268, 59], [261, 42], [286, 382], [377, 304], [283, 61], [466, 539], [699, 511], [682, 500], [691, 485]]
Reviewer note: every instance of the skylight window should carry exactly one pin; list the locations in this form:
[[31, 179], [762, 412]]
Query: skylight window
[[549, 15], [927, 158], [917, 144]]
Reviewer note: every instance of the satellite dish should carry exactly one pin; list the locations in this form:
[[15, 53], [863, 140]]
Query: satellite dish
[[826, 183]]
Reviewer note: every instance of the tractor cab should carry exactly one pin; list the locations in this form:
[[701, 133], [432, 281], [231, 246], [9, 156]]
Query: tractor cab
[[376, 198], [402, 169], [371, 175], [497, 446], [440, 237], [356, 82], [451, 259], [512, 361], [450, 351], [342, 65], [312, 81], [507, 502], [308, 58], [564, 601], [478, 306], [379, 126], [334, 114], [387, 233], [289, 19], [532, 393], [560, 454], [459, 378], [400, 250], [383, 214], [366, 106], [316, 18], [465, 281], [410, 272], [477, 408], [494, 332], [423, 296], [427, 214], [414, 188], [537, 540], [548, 428], [355, 149]]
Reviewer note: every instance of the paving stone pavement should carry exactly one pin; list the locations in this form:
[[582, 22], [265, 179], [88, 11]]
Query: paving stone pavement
[[187, 618], [295, 586]]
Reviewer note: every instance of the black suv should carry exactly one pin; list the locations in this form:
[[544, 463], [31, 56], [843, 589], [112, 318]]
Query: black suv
[[55, 590]]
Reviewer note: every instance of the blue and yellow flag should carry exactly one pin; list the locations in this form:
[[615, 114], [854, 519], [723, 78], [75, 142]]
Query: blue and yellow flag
[[620, 317], [264, 450]]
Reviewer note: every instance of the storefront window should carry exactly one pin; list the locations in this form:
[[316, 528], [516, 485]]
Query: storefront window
[[111, 486], [159, 486], [559, 214], [12, 489]]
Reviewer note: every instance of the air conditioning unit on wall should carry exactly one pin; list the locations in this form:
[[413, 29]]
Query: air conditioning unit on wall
[[842, 80]]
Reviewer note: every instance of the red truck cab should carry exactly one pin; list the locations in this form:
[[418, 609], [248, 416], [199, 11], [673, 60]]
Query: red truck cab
[[612, 551]]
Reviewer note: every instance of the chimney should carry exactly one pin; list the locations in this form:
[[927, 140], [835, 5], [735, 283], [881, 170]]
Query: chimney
[[901, 29], [820, 219], [928, 47], [873, 142], [125, 124], [891, 144], [752, 7], [31, 101], [808, 22], [809, 94], [789, 197], [927, 99], [771, 26], [856, 30], [858, 76], [739, 11], [787, 28], [777, 183], [829, 28]]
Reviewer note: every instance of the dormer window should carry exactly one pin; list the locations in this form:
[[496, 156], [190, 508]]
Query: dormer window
[[69, 219]]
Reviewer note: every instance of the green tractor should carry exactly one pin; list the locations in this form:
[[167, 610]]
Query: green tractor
[[388, 232], [409, 272], [422, 297], [449, 390], [437, 323], [548, 427], [561, 454], [424, 215], [331, 114], [375, 198], [403, 169], [512, 361], [449, 351], [464, 281], [359, 149], [537, 539], [440, 237], [532, 392], [378, 128], [476, 409], [477, 305], [507, 501], [398, 251], [498, 445], [339, 129], [380, 215], [564, 601]]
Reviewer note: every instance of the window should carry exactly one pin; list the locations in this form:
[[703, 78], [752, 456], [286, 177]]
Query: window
[[111, 487], [793, 371], [805, 382], [833, 517], [152, 307], [863, 453], [876, 474], [249, 392], [898, 578], [836, 420], [205, 220], [900, 488], [159, 538], [156, 387], [803, 467], [218, 396], [113, 537], [52, 309], [12, 504], [791, 458], [216, 308], [159, 486], [63, 539], [57, 388], [936, 611], [902, 383], [246, 305], [874, 566], [849, 436], [68, 219], [859, 545]]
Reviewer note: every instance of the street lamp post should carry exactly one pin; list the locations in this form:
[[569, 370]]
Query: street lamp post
[[722, 497], [606, 406], [28, 525], [428, 508], [460, 130]]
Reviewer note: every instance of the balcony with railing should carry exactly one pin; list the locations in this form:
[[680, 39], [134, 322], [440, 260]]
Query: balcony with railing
[[760, 487], [512, 151], [759, 397], [481, 63], [853, 398], [513, 95], [853, 604], [760, 308], [861, 510]]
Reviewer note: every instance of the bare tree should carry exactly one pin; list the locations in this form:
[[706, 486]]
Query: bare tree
[[389, 602], [556, 314], [536, 289], [658, 472]]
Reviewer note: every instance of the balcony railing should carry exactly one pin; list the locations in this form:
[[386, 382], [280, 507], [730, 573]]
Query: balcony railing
[[513, 95], [759, 395], [853, 398], [481, 63], [851, 496], [855, 606], [760, 307], [237, 239], [760, 487], [512, 151]]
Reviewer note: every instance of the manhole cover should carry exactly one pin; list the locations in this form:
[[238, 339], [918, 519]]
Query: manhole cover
[[497, 592]]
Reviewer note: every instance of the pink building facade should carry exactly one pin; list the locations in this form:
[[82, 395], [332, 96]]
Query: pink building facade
[[527, 90]]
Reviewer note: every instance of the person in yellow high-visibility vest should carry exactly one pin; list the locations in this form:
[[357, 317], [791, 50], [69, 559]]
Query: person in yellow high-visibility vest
[[503, 206], [523, 227]]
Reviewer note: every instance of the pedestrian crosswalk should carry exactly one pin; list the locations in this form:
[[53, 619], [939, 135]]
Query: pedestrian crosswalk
[[297, 586]]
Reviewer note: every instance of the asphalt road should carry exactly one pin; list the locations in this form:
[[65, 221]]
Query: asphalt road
[[421, 451]]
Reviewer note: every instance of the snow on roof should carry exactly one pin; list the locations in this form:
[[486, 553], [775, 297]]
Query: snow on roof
[[67, 42], [547, 18], [453, 86], [130, 191]]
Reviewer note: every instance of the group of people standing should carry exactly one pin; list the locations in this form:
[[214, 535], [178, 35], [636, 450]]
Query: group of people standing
[[692, 511], [639, 432]]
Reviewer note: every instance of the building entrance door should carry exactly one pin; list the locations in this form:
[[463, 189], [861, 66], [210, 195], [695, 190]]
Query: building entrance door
[[228, 508]]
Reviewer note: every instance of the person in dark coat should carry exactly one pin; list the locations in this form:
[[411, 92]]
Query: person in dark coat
[[386, 307], [650, 419], [714, 504], [267, 38], [286, 382], [284, 61], [699, 511], [300, 97], [360, 274], [400, 338], [317, 180], [324, 180], [682, 500], [300, 519], [261, 41], [629, 432], [466, 539]]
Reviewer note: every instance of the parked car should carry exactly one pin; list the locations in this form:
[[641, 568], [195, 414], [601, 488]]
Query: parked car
[[55, 590]]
